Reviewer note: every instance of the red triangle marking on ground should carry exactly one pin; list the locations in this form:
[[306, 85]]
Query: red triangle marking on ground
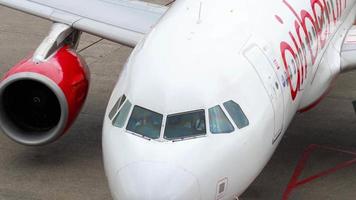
[[294, 182]]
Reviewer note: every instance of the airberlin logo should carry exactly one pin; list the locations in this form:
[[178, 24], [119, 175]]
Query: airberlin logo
[[310, 34]]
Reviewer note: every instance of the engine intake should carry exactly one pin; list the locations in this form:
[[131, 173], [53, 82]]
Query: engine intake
[[40, 100]]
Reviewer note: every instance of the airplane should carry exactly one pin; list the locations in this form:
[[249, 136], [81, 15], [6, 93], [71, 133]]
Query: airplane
[[203, 100]]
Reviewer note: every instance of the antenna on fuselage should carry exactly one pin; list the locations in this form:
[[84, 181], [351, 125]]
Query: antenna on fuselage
[[200, 10]]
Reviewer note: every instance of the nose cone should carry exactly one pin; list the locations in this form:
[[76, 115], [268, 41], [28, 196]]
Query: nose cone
[[155, 181]]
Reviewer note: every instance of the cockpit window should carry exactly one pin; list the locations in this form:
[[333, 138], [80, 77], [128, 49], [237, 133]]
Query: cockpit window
[[180, 126], [219, 123], [236, 114], [145, 122], [117, 105], [120, 119]]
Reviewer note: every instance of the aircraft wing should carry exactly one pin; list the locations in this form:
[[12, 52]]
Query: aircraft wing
[[122, 21], [348, 51]]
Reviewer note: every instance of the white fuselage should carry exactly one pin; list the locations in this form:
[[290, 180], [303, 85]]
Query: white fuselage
[[274, 58]]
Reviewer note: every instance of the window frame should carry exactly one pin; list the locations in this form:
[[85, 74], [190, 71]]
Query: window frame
[[228, 117], [128, 115], [207, 131], [232, 119], [118, 108], [138, 134]]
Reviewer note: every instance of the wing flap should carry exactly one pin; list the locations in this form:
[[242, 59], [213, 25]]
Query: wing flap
[[122, 21]]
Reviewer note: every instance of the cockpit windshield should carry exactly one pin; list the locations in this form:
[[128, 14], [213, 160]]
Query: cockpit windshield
[[221, 119], [219, 123], [237, 114], [117, 105], [180, 126], [121, 117], [145, 122]]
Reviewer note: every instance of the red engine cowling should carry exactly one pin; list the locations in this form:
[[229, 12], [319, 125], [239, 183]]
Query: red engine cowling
[[39, 101]]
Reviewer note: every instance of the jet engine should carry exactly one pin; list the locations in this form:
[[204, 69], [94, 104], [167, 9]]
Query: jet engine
[[41, 98]]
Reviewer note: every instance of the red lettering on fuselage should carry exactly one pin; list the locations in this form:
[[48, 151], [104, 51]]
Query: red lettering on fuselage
[[316, 22]]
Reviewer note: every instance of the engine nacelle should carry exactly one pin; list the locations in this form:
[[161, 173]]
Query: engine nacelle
[[40, 100]]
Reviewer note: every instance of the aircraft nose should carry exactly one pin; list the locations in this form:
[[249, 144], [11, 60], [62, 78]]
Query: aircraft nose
[[155, 181]]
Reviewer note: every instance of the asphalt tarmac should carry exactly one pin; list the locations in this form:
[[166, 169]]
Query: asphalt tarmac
[[315, 160]]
